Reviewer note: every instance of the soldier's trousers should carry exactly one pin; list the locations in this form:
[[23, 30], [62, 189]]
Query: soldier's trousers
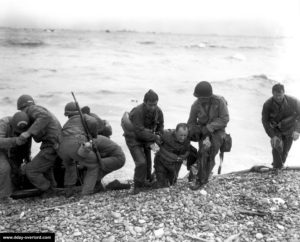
[[166, 172], [280, 154], [141, 155], [5, 179], [39, 170], [206, 161]]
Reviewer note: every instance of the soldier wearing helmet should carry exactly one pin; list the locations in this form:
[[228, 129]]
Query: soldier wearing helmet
[[13, 149], [74, 146], [44, 129], [207, 121]]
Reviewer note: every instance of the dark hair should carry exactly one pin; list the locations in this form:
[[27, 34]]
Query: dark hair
[[150, 96], [86, 110], [181, 125], [278, 88]]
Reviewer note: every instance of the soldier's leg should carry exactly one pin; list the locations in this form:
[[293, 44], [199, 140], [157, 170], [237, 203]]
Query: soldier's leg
[[5, 179], [161, 172], [140, 171], [147, 151], [287, 144], [40, 165]]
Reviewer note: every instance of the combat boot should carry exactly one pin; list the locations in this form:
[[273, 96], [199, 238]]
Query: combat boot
[[196, 186], [136, 188], [70, 191]]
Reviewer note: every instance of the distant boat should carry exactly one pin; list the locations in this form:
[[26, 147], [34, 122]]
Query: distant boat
[[49, 30]]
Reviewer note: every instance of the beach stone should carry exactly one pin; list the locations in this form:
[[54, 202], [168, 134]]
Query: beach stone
[[77, 233], [259, 236], [159, 233], [279, 226], [116, 215], [138, 229], [142, 221], [109, 239], [203, 192]]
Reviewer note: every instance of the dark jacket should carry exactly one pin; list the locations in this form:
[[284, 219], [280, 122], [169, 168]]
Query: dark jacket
[[103, 126], [74, 127], [171, 149], [215, 118], [8, 145], [281, 118], [44, 127], [108, 148], [145, 124]]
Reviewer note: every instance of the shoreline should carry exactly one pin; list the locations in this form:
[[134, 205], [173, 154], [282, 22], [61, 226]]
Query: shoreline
[[231, 207]]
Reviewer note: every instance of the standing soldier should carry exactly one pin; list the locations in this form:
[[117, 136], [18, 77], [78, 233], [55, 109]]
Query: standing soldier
[[207, 121], [280, 118], [45, 128], [143, 127], [11, 146]]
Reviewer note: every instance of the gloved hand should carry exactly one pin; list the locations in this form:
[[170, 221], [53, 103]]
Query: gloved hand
[[295, 135], [25, 135], [276, 142], [20, 141], [206, 143], [23, 168]]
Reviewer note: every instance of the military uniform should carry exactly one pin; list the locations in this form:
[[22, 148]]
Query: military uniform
[[208, 119], [145, 125], [73, 136], [45, 128], [169, 158], [11, 156], [281, 120]]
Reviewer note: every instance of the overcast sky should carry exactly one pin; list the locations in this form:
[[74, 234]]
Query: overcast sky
[[262, 17]]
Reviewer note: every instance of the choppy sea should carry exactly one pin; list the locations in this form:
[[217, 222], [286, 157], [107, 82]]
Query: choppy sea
[[111, 71]]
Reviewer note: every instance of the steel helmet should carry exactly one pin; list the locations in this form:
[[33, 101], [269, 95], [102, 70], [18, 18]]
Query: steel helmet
[[203, 89], [71, 109], [24, 101], [20, 122]]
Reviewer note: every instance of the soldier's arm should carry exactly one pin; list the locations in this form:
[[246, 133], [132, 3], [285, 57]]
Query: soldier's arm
[[194, 128], [139, 128], [160, 125], [266, 122], [221, 121], [6, 142], [41, 119], [297, 124]]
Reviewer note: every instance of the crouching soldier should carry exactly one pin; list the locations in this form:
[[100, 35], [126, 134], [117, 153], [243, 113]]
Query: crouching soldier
[[44, 129], [13, 149], [75, 147], [142, 127], [103, 126], [174, 148], [207, 121], [281, 121]]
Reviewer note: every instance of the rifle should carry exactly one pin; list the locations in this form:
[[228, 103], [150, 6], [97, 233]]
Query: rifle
[[88, 134]]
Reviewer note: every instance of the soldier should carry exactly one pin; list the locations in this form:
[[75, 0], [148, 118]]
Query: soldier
[[44, 129], [75, 147], [143, 127], [104, 128], [207, 121], [13, 149], [174, 148], [280, 118]]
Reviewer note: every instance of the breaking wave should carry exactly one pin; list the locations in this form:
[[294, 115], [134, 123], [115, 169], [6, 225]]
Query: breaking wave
[[24, 43]]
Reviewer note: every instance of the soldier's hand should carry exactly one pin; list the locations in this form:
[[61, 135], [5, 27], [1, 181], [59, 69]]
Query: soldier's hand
[[295, 135], [20, 140], [25, 135], [275, 142], [206, 143], [157, 139]]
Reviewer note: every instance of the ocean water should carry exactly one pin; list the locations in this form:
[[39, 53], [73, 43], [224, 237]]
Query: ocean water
[[110, 72]]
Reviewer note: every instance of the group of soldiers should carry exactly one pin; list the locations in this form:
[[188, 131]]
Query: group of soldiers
[[84, 141]]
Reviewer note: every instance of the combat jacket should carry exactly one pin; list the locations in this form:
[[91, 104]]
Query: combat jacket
[[44, 127], [281, 118], [145, 124], [74, 127], [171, 149], [8, 144], [215, 117]]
